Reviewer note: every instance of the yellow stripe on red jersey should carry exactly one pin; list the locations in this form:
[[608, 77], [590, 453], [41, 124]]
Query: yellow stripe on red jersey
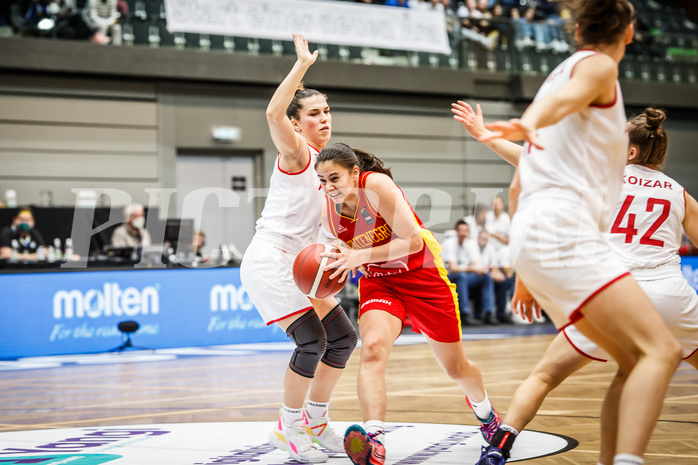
[[369, 229]]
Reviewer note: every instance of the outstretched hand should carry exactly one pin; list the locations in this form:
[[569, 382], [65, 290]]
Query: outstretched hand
[[514, 129], [471, 120], [302, 51]]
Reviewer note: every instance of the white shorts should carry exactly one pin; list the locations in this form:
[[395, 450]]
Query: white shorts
[[561, 256], [266, 273], [677, 303]]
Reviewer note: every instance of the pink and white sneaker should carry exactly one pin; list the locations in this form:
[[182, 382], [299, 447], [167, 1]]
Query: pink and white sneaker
[[295, 440], [323, 434]]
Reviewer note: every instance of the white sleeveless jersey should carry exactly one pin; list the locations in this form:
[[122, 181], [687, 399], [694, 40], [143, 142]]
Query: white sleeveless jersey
[[290, 218], [648, 225], [584, 153]]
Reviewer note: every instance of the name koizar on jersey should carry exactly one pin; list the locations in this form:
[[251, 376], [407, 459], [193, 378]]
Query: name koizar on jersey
[[635, 181]]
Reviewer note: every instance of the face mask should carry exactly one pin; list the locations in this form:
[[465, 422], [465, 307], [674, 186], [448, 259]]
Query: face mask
[[24, 227], [139, 222]]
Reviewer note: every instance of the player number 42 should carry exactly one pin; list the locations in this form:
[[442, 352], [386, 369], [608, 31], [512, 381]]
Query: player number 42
[[629, 229]]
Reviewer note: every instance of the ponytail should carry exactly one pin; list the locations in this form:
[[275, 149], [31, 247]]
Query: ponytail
[[370, 162], [645, 132], [347, 157]]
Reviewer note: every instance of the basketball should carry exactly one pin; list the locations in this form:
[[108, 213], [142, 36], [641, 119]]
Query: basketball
[[308, 274]]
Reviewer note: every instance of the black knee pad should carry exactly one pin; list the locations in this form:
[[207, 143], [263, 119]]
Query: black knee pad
[[311, 342], [341, 338]]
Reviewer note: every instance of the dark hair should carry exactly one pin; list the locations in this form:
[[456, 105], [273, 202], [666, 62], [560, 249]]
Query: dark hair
[[645, 132], [293, 110], [347, 157], [602, 21]]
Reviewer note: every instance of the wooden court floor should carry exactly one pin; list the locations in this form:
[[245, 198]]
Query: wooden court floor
[[249, 388]]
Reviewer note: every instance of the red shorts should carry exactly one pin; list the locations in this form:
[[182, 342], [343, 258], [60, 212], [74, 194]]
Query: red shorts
[[425, 294]]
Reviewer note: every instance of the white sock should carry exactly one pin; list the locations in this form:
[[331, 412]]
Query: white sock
[[627, 459], [316, 410], [376, 427], [482, 409], [511, 429], [291, 415]]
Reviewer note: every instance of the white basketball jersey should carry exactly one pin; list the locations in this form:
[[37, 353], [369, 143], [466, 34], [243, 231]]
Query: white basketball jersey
[[290, 218], [648, 224], [584, 153]]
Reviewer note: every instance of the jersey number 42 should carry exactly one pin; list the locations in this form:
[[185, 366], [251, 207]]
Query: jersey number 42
[[629, 229]]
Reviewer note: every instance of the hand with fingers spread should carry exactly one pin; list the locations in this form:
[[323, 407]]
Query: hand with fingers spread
[[302, 50], [524, 304], [514, 129], [471, 119], [347, 260]]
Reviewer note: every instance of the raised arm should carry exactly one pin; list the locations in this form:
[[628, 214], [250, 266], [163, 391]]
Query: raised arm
[[690, 221], [291, 145], [593, 81], [475, 125]]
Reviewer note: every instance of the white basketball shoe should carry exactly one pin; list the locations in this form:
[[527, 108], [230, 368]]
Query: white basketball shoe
[[295, 440], [323, 434]]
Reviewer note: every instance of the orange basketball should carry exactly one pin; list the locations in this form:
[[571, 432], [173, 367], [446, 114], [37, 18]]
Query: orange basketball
[[308, 274]]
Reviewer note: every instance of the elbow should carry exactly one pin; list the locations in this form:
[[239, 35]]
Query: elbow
[[416, 243]]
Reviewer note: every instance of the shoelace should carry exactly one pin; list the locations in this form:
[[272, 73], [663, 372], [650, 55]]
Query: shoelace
[[491, 426]]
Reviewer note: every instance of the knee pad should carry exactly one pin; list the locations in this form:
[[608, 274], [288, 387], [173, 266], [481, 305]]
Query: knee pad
[[341, 338], [309, 336]]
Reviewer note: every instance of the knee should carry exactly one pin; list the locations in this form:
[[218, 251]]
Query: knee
[[373, 350], [309, 336], [673, 351], [341, 338], [547, 378], [458, 370], [458, 367]]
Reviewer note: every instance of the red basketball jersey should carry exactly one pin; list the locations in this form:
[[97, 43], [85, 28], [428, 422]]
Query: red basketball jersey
[[368, 229]]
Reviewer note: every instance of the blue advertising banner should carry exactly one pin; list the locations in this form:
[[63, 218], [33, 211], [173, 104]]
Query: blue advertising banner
[[689, 268], [77, 312]]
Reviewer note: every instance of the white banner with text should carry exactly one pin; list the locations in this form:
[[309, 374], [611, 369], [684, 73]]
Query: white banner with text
[[324, 22]]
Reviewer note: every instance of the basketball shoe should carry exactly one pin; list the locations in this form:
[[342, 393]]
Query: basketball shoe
[[492, 456], [362, 448], [295, 440], [489, 427], [323, 434]]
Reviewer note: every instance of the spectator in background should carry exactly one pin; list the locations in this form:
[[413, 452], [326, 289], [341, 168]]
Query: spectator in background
[[133, 232], [24, 235], [461, 256], [474, 25], [497, 223], [498, 262], [36, 11], [70, 23], [198, 242], [478, 220], [103, 16]]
